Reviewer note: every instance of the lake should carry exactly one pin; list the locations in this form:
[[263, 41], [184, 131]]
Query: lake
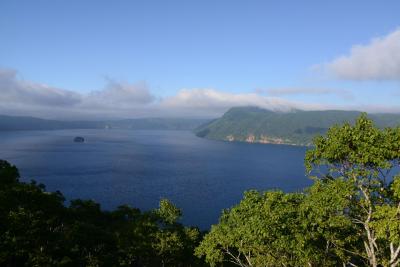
[[138, 168]]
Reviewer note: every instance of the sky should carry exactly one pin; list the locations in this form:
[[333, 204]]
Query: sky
[[126, 59]]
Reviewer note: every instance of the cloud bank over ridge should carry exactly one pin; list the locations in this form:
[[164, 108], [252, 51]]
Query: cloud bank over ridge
[[126, 100], [344, 94]]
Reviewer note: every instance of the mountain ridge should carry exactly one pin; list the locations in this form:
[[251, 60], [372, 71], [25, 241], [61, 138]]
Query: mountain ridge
[[25, 123], [297, 127]]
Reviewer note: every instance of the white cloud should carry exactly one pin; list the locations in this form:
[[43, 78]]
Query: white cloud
[[120, 94], [344, 94], [124, 100], [211, 101], [22, 97], [17, 91], [378, 60]]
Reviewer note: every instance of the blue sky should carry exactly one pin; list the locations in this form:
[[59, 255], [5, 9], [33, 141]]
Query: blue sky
[[174, 50]]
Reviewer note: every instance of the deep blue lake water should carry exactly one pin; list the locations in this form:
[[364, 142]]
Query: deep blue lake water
[[138, 168]]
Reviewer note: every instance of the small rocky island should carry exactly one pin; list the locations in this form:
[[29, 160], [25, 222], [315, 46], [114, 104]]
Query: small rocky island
[[79, 139]]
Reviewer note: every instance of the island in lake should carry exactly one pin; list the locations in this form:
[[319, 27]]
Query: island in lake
[[79, 139]]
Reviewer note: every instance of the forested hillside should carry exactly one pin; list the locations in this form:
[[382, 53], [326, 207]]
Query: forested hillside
[[252, 124]]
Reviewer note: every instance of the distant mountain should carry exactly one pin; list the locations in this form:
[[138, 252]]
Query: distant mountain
[[252, 124], [157, 123], [17, 123]]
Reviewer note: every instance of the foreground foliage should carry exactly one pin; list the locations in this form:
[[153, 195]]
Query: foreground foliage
[[36, 229], [349, 217]]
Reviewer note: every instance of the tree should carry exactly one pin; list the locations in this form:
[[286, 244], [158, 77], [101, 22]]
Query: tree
[[168, 212], [366, 157], [37, 229], [31, 229], [8, 174], [174, 244], [264, 229], [329, 233]]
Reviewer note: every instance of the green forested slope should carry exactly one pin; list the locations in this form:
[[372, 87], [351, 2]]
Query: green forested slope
[[298, 127]]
